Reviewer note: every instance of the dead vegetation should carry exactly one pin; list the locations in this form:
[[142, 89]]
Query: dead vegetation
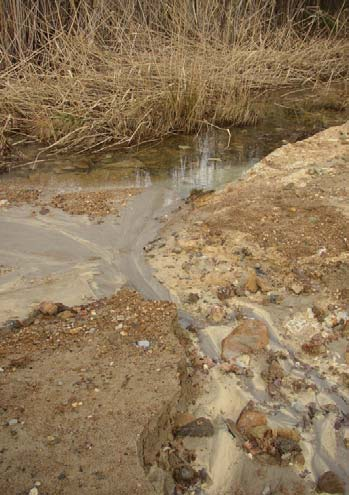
[[92, 75]]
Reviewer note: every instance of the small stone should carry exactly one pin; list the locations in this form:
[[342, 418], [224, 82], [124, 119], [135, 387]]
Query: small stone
[[224, 292], [12, 422], [243, 360], [12, 325], [185, 474], [192, 298], [275, 298], [297, 289], [286, 446], [75, 331], [249, 418], [200, 427], [48, 308], [44, 211], [52, 440], [217, 313], [263, 285], [65, 315], [34, 491], [315, 346], [289, 434], [251, 282], [144, 344], [329, 482]]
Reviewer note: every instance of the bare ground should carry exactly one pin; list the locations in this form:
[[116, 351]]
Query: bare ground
[[83, 407]]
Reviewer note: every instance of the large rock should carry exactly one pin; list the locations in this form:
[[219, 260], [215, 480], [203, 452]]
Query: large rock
[[329, 482], [249, 337]]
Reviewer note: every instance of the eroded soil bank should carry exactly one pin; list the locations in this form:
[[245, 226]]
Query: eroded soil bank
[[86, 395], [263, 265]]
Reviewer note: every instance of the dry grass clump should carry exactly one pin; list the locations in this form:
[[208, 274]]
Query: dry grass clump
[[93, 75]]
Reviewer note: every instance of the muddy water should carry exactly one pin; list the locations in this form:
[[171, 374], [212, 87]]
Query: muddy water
[[69, 258]]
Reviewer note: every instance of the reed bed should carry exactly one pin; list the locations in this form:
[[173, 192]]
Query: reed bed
[[95, 75]]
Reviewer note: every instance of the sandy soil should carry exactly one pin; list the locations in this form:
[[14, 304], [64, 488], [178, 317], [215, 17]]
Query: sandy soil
[[272, 247], [94, 204], [82, 407]]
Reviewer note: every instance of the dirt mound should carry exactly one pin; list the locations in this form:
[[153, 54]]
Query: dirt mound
[[81, 402]]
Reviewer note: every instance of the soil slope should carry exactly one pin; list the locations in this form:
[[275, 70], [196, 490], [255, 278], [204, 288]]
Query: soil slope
[[82, 407]]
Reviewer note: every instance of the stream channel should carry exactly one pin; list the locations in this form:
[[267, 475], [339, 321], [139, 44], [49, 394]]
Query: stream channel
[[71, 259]]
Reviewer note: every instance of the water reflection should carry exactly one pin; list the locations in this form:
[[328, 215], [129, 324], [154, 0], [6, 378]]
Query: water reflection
[[181, 162], [143, 178]]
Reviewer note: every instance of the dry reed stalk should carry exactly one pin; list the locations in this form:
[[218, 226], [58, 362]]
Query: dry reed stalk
[[95, 78]]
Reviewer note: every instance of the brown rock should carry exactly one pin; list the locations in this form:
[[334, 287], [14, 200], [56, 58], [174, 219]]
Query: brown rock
[[259, 432], [315, 346], [273, 375], [249, 419], [217, 313], [182, 419], [329, 482], [249, 337], [289, 434], [251, 282], [286, 449], [193, 298], [297, 288], [263, 284], [224, 292], [65, 315], [48, 308], [319, 312]]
